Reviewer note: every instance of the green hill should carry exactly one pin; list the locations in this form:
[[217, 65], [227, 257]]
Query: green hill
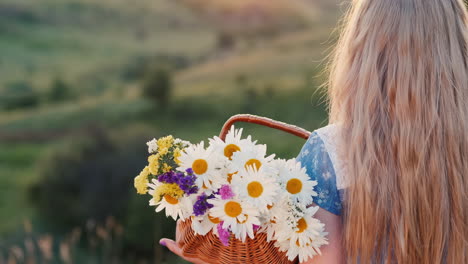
[[93, 44], [86, 41], [100, 50]]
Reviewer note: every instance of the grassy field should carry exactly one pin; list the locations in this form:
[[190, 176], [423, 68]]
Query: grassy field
[[82, 40], [97, 47], [87, 42], [17, 162]]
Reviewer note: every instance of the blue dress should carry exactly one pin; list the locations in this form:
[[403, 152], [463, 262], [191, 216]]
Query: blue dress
[[315, 157]]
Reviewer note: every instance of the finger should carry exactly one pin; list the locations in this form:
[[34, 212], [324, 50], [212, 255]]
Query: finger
[[178, 231], [172, 246]]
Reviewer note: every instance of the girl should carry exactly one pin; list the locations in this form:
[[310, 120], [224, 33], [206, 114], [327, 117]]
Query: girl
[[392, 166]]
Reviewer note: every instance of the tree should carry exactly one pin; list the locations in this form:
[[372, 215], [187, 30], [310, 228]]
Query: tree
[[19, 94], [59, 91], [157, 86]]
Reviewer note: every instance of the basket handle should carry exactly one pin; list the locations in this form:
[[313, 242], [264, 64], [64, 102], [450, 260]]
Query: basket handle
[[297, 131]]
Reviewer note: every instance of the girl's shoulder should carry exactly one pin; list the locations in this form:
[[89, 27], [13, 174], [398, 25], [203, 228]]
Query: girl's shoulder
[[330, 136], [320, 157]]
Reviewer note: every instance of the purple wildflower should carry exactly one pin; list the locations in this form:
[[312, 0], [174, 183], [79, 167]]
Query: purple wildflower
[[201, 205], [226, 192], [168, 177], [187, 182], [256, 227], [224, 234]]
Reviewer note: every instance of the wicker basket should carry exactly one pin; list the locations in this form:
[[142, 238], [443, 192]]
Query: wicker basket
[[258, 251]]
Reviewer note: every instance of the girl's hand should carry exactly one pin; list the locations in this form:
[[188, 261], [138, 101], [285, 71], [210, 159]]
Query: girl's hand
[[176, 249]]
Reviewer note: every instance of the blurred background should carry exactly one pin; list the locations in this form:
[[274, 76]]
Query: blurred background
[[84, 84]]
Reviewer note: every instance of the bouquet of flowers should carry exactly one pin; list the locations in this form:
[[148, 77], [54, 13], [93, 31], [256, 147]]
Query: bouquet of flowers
[[233, 189]]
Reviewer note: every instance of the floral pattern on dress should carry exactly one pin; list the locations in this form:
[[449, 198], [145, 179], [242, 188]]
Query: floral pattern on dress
[[315, 158]]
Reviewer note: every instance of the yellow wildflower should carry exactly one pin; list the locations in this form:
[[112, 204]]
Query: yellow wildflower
[[153, 161], [164, 144], [177, 155], [171, 189], [141, 181], [163, 151], [166, 167]]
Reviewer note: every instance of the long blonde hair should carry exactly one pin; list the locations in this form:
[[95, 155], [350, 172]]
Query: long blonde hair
[[399, 86]]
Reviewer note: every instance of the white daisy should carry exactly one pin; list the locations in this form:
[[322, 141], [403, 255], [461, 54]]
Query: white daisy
[[181, 207], [255, 187], [305, 238], [205, 164], [274, 216], [204, 224], [175, 208], [252, 156], [285, 214], [282, 166], [294, 179], [153, 185], [307, 227], [237, 215], [233, 143], [303, 252]]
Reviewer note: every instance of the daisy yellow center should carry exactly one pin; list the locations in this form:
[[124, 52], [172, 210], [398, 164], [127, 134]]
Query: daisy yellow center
[[255, 189], [254, 163], [200, 166], [214, 220], [294, 186], [230, 149], [232, 209], [171, 199], [229, 176], [302, 225]]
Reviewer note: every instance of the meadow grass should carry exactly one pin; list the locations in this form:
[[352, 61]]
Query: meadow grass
[[17, 170], [94, 47], [76, 38]]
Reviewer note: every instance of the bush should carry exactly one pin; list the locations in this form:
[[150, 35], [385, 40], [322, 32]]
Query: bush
[[89, 177], [157, 86], [19, 94], [59, 91], [250, 93], [225, 40]]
